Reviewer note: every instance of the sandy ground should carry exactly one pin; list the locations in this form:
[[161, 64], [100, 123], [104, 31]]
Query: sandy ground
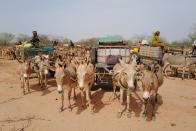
[[39, 110]]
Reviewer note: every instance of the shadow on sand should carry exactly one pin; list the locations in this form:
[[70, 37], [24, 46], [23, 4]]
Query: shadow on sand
[[149, 108], [37, 88]]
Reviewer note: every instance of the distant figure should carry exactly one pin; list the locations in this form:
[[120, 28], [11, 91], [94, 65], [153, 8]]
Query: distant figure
[[136, 48], [55, 43], [138, 45], [71, 44], [35, 40], [194, 48]]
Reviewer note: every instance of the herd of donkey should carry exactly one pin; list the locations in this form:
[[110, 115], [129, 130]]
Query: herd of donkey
[[74, 70]]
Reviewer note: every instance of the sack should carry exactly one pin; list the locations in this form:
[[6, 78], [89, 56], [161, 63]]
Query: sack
[[28, 45], [152, 52], [111, 60], [25, 45]]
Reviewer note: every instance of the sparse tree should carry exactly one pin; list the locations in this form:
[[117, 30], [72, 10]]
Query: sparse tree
[[44, 39], [137, 38], [192, 35], [66, 41], [130, 42], [23, 37], [88, 42], [6, 38]]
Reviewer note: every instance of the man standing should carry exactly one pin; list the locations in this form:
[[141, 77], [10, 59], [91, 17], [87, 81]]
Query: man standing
[[35, 40]]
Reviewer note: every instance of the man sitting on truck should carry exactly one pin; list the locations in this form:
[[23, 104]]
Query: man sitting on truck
[[35, 40]]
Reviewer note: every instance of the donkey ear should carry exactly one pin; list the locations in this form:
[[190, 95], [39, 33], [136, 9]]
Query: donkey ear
[[88, 62], [60, 57], [60, 65], [149, 68], [64, 65], [156, 68], [139, 75], [121, 61]]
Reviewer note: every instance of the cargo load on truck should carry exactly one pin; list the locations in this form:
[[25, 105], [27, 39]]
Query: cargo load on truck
[[105, 55]]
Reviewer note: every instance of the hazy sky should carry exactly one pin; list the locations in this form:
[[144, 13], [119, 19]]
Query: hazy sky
[[79, 19]]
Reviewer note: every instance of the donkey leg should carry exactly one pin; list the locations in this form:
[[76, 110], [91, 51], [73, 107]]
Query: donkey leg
[[41, 79], [128, 105], [114, 92], [119, 114], [89, 100], [145, 109], [189, 73], [82, 98], [74, 90], [165, 70], [153, 105], [23, 85], [45, 80], [75, 97], [28, 86], [62, 101], [183, 72], [69, 98], [38, 76]]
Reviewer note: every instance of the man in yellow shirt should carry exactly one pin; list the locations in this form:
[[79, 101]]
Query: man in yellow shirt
[[156, 41]]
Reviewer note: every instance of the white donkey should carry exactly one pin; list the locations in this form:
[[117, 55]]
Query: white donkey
[[125, 76], [85, 79]]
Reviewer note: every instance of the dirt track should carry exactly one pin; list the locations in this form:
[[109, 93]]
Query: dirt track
[[39, 110]]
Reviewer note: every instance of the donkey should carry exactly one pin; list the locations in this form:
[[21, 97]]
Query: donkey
[[25, 72], [65, 75], [124, 76], [85, 79], [39, 66], [178, 61], [152, 79]]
